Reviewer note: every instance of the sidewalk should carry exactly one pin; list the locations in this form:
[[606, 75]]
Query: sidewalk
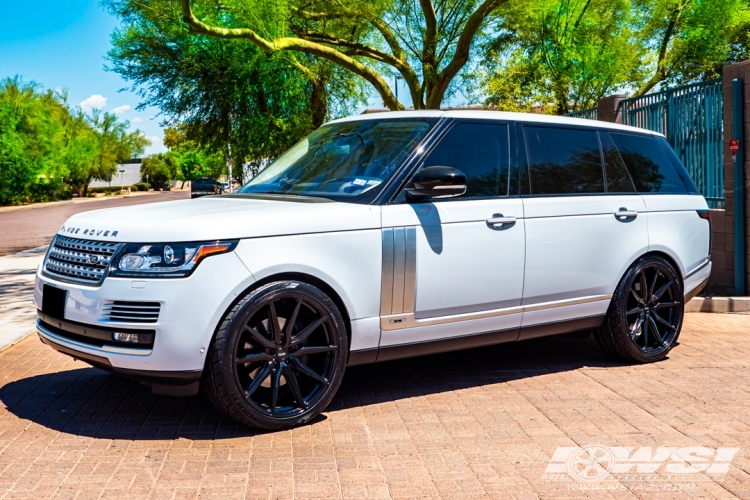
[[16, 291]]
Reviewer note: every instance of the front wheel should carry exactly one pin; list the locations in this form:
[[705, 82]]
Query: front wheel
[[645, 317], [278, 357]]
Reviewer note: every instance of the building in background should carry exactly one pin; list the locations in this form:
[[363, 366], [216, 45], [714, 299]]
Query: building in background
[[128, 173]]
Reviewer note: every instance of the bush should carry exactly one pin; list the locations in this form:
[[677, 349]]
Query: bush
[[140, 186]]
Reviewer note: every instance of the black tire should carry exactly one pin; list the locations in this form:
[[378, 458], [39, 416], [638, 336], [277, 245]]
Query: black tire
[[277, 378], [645, 316]]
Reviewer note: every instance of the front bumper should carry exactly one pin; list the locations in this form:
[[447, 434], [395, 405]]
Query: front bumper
[[191, 309]]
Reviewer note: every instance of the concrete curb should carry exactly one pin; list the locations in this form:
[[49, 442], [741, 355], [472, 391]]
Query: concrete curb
[[718, 305]]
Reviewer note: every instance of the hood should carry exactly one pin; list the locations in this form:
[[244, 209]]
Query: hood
[[220, 217]]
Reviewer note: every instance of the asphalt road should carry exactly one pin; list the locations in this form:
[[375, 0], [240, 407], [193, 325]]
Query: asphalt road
[[35, 225]]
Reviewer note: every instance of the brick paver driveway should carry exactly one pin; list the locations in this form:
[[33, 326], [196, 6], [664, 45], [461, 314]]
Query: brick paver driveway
[[480, 423]]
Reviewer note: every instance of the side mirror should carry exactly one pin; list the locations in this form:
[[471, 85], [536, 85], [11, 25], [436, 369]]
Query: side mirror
[[437, 182]]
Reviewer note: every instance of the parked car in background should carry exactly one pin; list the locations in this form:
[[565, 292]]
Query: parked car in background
[[380, 237], [203, 186], [226, 187]]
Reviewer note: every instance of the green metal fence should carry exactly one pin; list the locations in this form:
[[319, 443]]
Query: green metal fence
[[589, 114], [691, 117]]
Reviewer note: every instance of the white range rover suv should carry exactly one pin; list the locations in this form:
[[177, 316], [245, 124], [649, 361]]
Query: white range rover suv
[[378, 237]]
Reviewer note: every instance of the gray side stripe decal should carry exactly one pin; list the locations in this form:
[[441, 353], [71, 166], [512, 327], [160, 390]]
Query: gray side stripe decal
[[399, 280]]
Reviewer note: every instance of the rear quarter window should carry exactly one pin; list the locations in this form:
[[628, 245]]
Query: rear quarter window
[[648, 164]]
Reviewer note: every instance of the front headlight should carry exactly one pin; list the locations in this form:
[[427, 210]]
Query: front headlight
[[164, 260]]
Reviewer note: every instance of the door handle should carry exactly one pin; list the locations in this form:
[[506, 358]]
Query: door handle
[[626, 214], [499, 219]]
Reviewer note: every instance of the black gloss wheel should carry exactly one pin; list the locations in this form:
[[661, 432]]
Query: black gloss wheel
[[279, 357], [654, 309], [645, 316]]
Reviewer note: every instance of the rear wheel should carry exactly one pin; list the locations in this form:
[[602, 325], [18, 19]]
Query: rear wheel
[[645, 317], [278, 357]]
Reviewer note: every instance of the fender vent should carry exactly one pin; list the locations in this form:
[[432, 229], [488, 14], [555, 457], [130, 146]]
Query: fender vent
[[131, 312]]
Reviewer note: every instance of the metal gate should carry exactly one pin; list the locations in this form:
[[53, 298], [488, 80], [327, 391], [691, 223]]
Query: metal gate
[[691, 117]]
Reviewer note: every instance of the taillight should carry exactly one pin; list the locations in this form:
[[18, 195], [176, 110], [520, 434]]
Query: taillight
[[704, 214]]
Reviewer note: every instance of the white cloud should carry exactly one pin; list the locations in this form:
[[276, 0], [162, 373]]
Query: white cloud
[[157, 145], [137, 119], [93, 102], [121, 109]]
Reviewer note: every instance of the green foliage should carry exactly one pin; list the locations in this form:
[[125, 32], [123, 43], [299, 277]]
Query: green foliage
[[222, 92], [556, 55], [559, 55], [49, 150], [160, 169], [691, 39]]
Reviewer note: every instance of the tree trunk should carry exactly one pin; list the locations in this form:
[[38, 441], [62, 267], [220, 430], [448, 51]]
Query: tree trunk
[[319, 101]]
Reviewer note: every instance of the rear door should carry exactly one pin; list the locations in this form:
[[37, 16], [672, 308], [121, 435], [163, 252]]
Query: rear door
[[585, 224], [454, 266], [670, 199]]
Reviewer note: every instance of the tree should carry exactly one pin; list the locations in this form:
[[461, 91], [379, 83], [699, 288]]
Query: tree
[[160, 169], [193, 160], [428, 43], [559, 55], [224, 93], [690, 39], [45, 142]]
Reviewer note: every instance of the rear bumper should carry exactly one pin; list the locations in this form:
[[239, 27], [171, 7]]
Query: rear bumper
[[696, 280]]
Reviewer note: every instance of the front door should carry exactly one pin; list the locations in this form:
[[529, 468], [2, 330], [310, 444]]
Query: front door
[[454, 267]]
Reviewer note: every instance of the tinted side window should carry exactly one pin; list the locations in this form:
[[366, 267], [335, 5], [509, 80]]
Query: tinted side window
[[563, 160], [678, 166], [481, 151], [651, 170], [618, 178]]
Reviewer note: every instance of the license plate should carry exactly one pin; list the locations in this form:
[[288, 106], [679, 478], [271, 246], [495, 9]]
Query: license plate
[[53, 301]]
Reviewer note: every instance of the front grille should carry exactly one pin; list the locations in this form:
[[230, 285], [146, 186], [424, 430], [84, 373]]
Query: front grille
[[79, 261], [131, 312]]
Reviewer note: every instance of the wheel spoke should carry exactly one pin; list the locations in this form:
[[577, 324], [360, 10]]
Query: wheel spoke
[[645, 333], [307, 371], [633, 311], [653, 284], [638, 323], [289, 327], [253, 358], [275, 383], [260, 338], [291, 379], [308, 330], [644, 290], [635, 294], [314, 350], [664, 322], [666, 305], [654, 330], [259, 378], [663, 289], [274, 320]]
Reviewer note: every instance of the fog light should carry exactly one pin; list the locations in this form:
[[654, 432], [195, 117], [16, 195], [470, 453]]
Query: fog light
[[126, 337]]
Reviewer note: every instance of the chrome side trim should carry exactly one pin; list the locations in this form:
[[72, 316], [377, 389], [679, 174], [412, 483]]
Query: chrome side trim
[[698, 268], [386, 289], [399, 274], [70, 343], [407, 320], [410, 270], [399, 265]]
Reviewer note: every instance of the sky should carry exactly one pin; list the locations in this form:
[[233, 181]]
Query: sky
[[62, 45]]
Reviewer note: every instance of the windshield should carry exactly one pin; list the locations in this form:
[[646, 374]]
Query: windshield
[[341, 159]]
